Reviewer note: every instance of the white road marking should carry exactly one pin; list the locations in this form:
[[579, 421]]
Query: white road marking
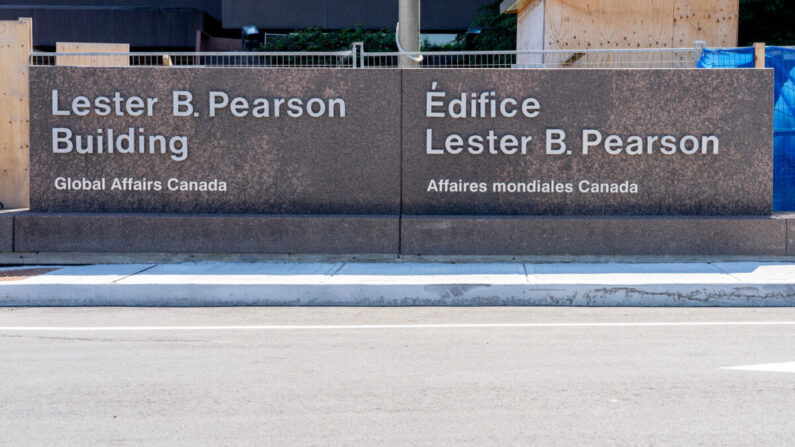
[[788, 367], [391, 326]]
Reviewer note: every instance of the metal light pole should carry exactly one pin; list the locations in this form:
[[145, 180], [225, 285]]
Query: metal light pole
[[409, 32]]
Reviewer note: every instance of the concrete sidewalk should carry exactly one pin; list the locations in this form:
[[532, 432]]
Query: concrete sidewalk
[[401, 284]]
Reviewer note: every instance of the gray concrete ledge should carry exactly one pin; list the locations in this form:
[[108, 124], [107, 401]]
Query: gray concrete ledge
[[706, 295], [595, 236], [407, 284], [82, 258], [172, 233]]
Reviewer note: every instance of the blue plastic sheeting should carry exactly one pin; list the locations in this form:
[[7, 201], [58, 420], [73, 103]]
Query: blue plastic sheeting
[[782, 60], [727, 58]]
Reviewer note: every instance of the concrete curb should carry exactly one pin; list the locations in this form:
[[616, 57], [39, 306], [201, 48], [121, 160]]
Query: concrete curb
[[408, 284], [697, 295]]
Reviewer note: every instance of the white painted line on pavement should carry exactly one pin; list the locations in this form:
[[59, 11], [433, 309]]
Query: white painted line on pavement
[[392, 326], [788, 367]]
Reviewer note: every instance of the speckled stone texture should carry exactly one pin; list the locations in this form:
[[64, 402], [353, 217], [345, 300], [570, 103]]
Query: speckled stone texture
[[7, 229], [735, 105], [272, 165], [593, 236], [333, 185], [177, 233], [420, 235]]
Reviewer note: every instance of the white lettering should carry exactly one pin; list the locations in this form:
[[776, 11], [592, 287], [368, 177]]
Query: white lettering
[[182, 103], [218, 100], [555, 138]]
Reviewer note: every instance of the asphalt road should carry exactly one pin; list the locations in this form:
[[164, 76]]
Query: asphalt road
[[396, 376]]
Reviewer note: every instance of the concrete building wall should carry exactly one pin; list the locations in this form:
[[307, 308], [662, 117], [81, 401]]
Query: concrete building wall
[[140, 27], [211, 7], [173, 23], [335, 14]]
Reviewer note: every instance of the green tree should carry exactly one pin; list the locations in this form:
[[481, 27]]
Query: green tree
[[497, 32], [315, 39], [769, 21]]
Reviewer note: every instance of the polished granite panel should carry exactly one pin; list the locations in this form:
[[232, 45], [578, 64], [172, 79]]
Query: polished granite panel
[[736, 106], [286, 164]]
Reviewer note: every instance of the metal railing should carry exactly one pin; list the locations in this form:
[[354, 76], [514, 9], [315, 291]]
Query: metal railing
[[588, 58], [357, 57], [335, 59]]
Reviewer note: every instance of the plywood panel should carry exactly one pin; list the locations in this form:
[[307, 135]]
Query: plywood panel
[[727, 23], [530, 36], [639, 24], [16, 40], [608, 23], [97, 61], [713, 21], [653, 24], [585, 24], [589, 24], [564, 23], [561, 22]]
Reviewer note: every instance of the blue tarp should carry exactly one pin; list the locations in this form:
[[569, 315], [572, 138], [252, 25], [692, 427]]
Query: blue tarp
[[783, 61]]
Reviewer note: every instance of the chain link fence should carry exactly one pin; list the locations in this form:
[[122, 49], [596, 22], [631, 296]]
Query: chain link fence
[[358, 57]]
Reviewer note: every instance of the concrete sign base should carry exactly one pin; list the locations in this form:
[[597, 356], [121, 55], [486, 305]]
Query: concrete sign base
[[393, 235], [7, 230], [180, 233], [593, 236]]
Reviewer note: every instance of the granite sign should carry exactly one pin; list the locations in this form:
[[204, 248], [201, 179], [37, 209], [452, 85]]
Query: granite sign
[[320, 141], [208, 140], [593, 142]]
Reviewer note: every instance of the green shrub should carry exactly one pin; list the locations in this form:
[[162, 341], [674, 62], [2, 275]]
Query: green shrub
[[498, 33], [769, 21]]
